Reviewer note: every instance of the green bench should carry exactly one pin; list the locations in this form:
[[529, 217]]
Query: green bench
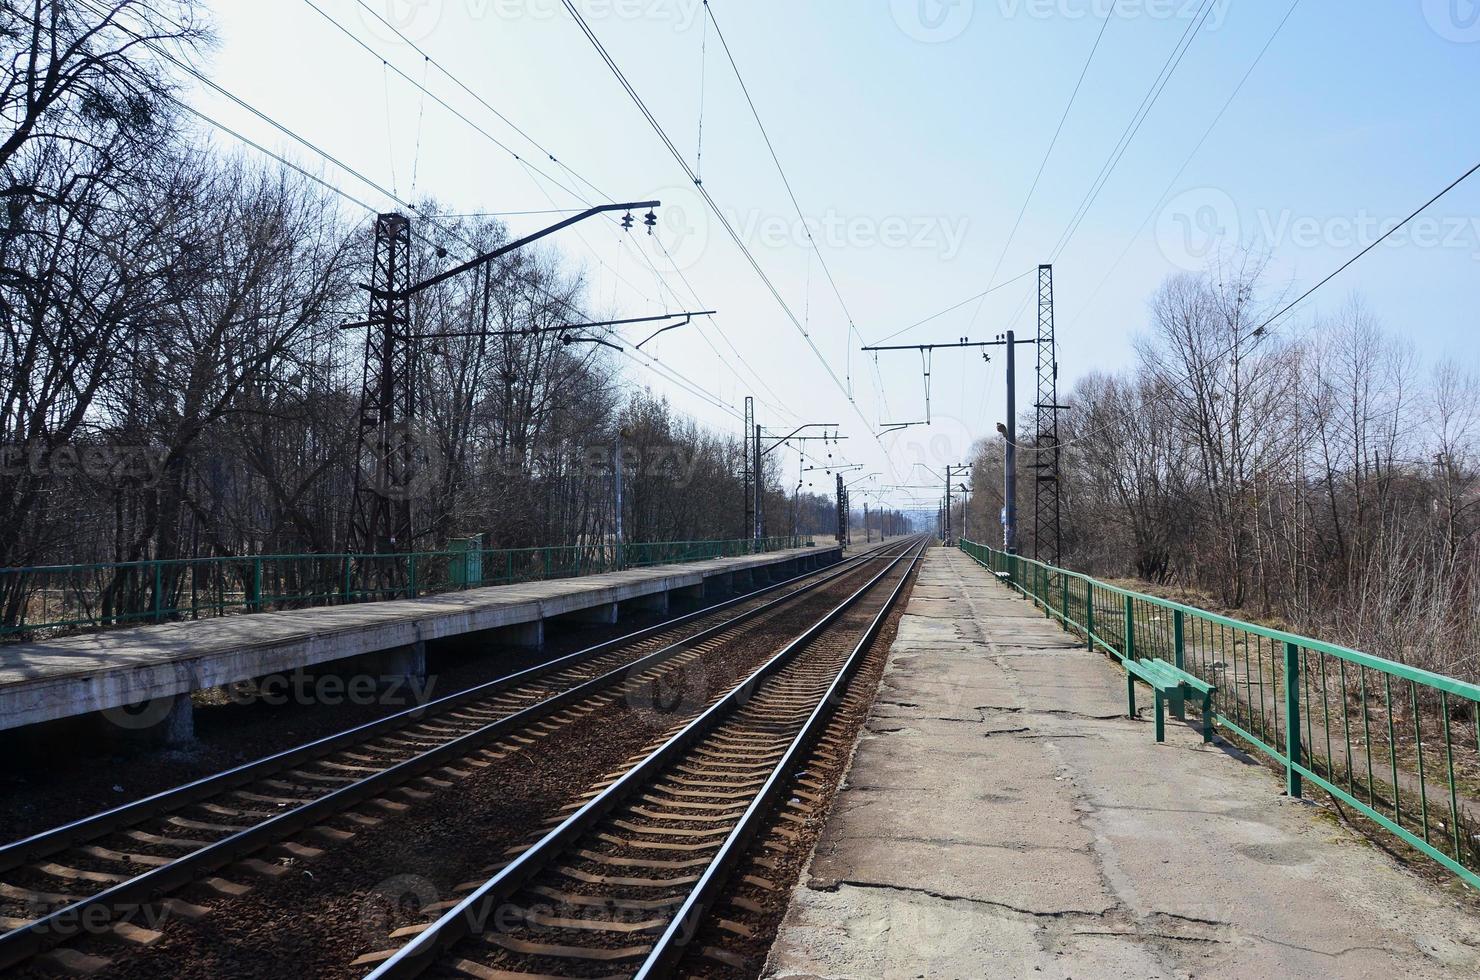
[[1172, 684]]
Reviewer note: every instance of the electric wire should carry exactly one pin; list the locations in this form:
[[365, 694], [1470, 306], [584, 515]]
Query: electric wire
[[708, 198], [427, 93], [1153, 95], [1043, 164], [1376, 242], [478, 98], [1166, 192], [775, 159], [667, 372], [528, 166], [953, 308]]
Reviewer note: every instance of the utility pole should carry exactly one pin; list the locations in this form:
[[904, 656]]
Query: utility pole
[[760, 453], [1009, 468], [748, 529], [617, 483], [1009, 429], [796, 499], [868, 537], [380, 515], [380, 519], [846, 509], [842, 513], [759, 489], [951, 471], [1048, 541]]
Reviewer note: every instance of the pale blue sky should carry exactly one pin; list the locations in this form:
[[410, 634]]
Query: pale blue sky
[[911, 131]]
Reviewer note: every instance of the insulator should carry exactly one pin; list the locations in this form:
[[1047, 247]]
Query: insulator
[[627, 222], [651, 220]]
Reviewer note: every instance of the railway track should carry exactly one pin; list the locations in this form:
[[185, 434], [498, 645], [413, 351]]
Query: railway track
[[106, 873], [622, 883]]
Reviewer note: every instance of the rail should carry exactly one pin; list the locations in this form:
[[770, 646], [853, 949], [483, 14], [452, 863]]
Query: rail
[[455, 726], [1399, 745], [479, 912], [158, 590]]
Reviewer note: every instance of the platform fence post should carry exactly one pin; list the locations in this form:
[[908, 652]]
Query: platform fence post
[[1128, 639], [1293, 780], [1089, 615], [1178, 640], [257, 603]]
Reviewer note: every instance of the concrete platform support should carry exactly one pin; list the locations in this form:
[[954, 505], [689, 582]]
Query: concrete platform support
[[656, 603], [604, 614], [165, 721], [407, 662], [743, 581], [690, 595], [529, 635], [131, 672], [1002, 818]]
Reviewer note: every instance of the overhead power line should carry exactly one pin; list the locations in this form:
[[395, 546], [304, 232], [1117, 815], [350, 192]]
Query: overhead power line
[[1376, 242], [1260, 332], [1138, 119], [652, 363], [1166, 192], [771, 148], [536, 174], [955, 307], [709, 199], [478, 98], [1043, 164], [427, 93]]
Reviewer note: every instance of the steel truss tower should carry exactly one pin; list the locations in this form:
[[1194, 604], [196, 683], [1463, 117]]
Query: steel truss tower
[[842, 511], [751, 529], [1047, 487], [386, 465]]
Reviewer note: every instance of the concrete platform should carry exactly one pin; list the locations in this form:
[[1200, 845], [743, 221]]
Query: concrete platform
[[1002, 818], [67, 677]]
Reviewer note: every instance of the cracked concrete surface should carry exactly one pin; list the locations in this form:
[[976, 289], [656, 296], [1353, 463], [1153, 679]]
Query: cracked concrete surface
[[1002, 818]]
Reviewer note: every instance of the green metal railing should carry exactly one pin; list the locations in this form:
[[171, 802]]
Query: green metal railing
[[118, 593], [1399, 745]]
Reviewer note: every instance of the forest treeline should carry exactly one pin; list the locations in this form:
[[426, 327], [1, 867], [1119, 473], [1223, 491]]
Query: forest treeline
[[1320, 473], [174, 376]]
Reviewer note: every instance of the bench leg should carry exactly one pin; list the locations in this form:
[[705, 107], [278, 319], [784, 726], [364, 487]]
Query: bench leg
[[1130, 694], [1178, 704], [1207, 717], [1161, 723]]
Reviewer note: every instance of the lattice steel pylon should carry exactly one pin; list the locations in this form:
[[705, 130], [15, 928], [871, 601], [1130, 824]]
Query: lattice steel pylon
[[749, 531], [386, 459], [1048, 538]]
